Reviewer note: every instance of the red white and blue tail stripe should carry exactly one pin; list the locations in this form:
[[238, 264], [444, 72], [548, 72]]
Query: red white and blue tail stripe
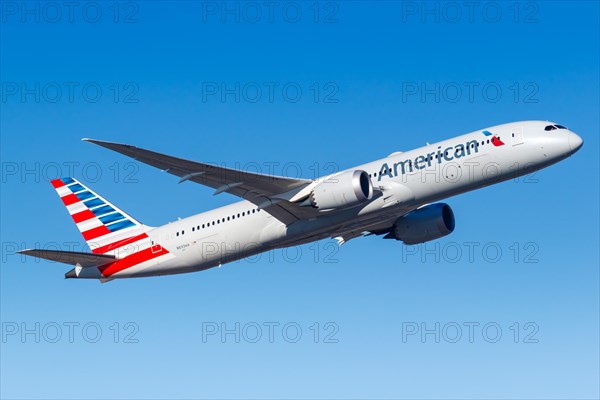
[[104, 226]]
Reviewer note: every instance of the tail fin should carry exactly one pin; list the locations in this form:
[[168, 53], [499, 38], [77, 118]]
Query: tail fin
[[103, 226]]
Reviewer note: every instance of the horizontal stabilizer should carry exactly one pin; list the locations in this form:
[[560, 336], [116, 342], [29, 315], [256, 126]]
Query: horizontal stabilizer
[[70, 257]]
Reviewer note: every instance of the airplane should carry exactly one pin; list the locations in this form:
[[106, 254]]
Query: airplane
[[396, 197]]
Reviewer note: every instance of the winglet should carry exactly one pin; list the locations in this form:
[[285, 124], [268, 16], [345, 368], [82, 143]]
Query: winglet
[[118, 147]]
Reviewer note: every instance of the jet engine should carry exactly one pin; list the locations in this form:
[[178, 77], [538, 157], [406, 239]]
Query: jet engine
[[424, 224], [342, 190]]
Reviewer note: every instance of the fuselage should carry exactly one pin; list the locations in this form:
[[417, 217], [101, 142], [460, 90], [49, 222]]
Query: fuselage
[[404, 181]]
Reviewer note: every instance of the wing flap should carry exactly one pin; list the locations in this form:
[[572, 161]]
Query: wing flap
[[70, 257]]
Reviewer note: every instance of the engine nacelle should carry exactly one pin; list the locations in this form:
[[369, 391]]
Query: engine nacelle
[[342, 190], [424, 224]]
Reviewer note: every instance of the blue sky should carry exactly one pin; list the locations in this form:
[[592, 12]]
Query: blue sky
[[339, 84]]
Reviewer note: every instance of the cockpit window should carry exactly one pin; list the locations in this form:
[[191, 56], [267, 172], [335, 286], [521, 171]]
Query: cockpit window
[[553, 127]]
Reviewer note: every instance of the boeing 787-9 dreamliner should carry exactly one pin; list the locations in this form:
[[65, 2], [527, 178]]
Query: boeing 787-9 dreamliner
[[395, 197]]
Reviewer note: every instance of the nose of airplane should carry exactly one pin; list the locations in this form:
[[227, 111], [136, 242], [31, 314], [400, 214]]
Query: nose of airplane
[[575, 142]]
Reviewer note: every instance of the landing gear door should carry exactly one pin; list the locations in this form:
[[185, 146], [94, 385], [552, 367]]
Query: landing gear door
[[517, 136]]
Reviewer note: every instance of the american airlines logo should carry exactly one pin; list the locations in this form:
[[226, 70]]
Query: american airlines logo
[[494, 140], [424, 161]]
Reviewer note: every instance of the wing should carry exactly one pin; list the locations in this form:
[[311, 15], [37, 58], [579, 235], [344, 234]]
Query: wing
[[262, 190], [70, 257]]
